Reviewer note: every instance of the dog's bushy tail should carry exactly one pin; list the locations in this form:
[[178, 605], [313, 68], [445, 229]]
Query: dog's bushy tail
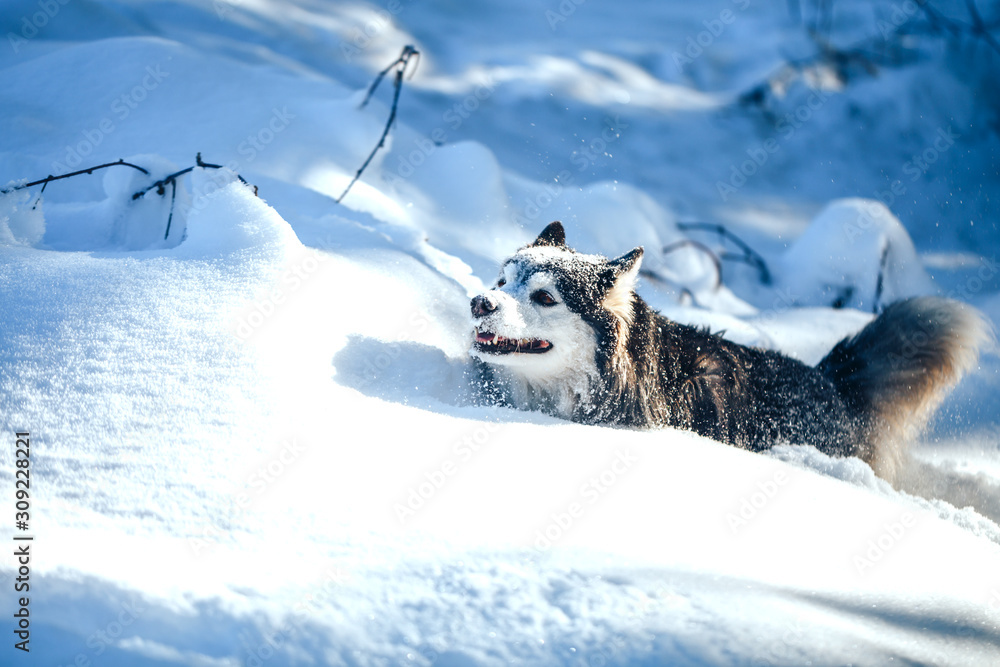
[[896, 371]]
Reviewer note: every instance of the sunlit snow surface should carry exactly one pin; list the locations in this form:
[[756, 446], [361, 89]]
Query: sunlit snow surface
[[252, 437]]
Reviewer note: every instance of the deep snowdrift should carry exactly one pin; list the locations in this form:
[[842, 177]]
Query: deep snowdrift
[[252, 441]]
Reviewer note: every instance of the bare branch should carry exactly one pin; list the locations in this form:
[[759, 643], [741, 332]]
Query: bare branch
[[689, 243], [749, 255], [401, 64], [90, 170]]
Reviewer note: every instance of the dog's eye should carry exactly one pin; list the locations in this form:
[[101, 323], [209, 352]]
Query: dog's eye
[[544, 298], [501, 282]]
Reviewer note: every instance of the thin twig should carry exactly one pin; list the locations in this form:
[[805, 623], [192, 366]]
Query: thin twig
[[684, 292], [689, 243], [48, 179], [170, 217], [209, 165], [979, 26], [939, 21], [161, 184], [400, 63], [843, 297], [408, 52], [749, 256], [879, 282]]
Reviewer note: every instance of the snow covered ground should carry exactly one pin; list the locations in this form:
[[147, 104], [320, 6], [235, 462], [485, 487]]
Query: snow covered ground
[[251, 439]]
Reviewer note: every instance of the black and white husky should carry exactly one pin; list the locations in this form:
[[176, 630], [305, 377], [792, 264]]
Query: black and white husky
[[565, 333]]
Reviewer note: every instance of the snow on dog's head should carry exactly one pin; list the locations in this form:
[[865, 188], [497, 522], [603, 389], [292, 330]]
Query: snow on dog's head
[[553, 311]]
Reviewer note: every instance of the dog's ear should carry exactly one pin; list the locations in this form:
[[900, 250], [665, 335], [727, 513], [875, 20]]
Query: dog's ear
[[553, 235], [626, 267], [622, 273]]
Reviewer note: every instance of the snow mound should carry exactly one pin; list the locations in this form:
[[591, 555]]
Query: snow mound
[[934, 488], [252, 435], [131, 213], [227, 217], [21, 219], [855, 254]]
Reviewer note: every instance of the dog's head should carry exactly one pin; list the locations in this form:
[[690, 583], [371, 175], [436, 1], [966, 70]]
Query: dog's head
[[553, 309]]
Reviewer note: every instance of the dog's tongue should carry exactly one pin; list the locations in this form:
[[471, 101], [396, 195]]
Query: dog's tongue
[[484, 337]]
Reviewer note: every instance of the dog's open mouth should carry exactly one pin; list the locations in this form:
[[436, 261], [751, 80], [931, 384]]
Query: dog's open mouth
[[494, 344]]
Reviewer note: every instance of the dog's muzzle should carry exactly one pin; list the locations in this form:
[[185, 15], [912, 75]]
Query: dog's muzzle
[[488, 342]]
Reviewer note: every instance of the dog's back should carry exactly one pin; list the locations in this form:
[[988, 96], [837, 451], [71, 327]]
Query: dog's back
[[873, 392], [685, 377]]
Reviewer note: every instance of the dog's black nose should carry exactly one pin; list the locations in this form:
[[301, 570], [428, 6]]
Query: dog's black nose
[[482, 305]]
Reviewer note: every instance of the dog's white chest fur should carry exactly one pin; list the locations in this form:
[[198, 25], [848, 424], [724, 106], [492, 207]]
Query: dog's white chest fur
[[560, 393]]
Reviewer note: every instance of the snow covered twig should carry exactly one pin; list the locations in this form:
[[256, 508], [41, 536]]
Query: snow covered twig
[[159, 186], [171, 179]]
